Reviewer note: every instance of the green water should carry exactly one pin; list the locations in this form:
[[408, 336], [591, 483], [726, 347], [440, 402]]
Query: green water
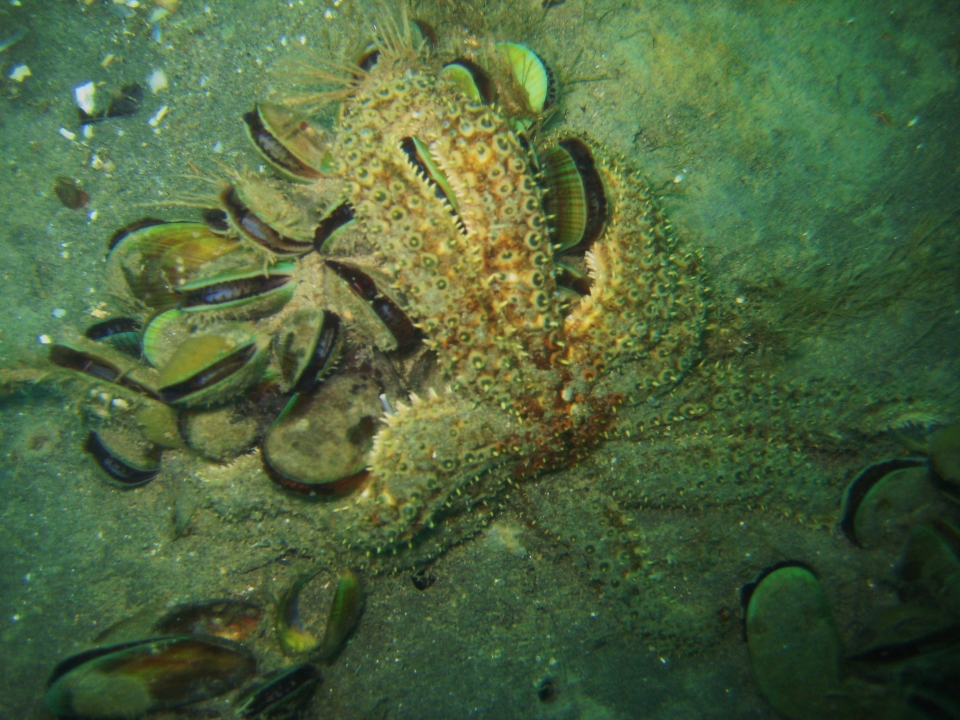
[[809, 152]]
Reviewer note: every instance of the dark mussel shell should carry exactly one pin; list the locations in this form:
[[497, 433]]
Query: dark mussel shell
[[122, 333], [121, 468], [307, 348], [246, 294], [868, 482], [284, 142], [391, 315], [90, 362], [337, 219], [794, 645], [131, 679], [256, 229], [281, 695], [70, 194], [226, 618]]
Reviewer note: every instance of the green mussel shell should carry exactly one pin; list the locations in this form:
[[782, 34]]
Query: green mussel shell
[[794, 645], [293, 148], [885, 500], [281, 695], [307, 348], [128, 680], [213, 368], [147, 265], [323, 439], [246, 294], [576, 200], [532, 73]]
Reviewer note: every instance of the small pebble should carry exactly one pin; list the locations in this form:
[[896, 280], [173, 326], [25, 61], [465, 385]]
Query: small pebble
[[20, 73], [157, 81], [155, 120], [58, 313], [44, 339], [84, 95]]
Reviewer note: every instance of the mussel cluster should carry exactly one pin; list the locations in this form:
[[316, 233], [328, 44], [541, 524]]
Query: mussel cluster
[[195, 657], [273, 321], [906, 665]]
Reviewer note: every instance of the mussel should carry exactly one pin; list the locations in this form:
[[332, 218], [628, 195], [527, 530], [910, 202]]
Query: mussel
[[885, 500], [320, 443], [289, 144], [226, 618], [240, 294], [147, 265], [794, 645], [344, 612], [128, 459], [281, 695], [389, 312], [307, 349], [128, 680], [213, 367], [576, 199]]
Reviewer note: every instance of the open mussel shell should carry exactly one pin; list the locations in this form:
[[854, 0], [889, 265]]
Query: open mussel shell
[[120, 333], [281, 694], [533, 75], [128, 680], [576, 199], [240, 294], [103, 362], [227, 618], [293, 637], [470, 79], [572, 280], [256, 229], [128, 459], [331, 226], [320, 443], [307, 348], [794, 646], [345, 608], [885, 500], [213, 368], [290, 145], [147, 265], [164, 334]]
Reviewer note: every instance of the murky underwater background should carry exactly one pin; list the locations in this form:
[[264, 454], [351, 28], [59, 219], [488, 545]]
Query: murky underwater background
[[809, 152]]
